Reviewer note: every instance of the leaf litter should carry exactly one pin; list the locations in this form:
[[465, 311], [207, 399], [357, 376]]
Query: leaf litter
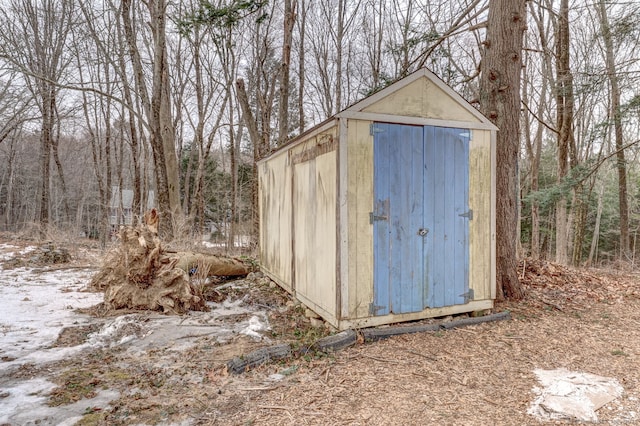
[[581, 320]]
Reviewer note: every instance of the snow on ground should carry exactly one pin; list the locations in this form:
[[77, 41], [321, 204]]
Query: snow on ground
[[35, 307], [572, 395], [36, 304]]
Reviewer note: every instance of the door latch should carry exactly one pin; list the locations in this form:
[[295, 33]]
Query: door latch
[[423, 232], [375, 218]]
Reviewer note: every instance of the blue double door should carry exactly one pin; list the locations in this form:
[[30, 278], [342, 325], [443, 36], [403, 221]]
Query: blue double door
[[420, 218]]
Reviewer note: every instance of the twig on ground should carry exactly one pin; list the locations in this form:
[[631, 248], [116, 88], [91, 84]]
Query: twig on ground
[[421, 355]]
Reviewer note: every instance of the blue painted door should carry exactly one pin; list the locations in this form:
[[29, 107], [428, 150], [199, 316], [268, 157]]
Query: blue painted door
[[420, 217]]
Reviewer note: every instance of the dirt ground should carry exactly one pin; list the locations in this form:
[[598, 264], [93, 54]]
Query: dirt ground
[[585, 320]]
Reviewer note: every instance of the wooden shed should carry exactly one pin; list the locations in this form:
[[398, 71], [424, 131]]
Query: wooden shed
[[386, 211]]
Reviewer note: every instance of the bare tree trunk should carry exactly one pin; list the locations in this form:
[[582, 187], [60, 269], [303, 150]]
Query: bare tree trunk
[[500, 102], [256, 141], [8, 208], [102, 173], [564, 123], [161, 124], [142, 102], [137, 207], [56, 159], [533, 144], [45, 162], [535, 186], [167, 132], [339, 52], [233, 156], [199, 136], [157, 109], [596, 228], [301, 65], [618, 133], [580, 213], [375, 49], [186, 179], [283, 106], [34, 37]]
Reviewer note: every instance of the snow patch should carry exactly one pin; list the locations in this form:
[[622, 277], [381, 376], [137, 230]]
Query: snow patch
[[26, 405], [569, 395], [254, 328], [8, 251], [230, 307], [35, 307], [120, 331]]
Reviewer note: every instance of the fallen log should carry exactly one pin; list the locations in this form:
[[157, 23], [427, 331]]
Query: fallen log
[[258, 357], [211, 265], [374, 334]]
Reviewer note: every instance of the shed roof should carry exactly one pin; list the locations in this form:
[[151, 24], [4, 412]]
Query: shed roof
[[418, 88]]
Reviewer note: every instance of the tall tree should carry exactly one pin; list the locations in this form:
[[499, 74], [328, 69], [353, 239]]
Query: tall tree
[[263, 75], [302, 30], [538, 68], [98, 134], [161, 120], [616, 114], [564, 125], [156, 105], [14, 108], [372, 23], [283, 105], [500, 102], [33, 39]]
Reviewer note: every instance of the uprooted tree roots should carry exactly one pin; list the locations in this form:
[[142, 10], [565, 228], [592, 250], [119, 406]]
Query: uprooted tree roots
[[138, 274]]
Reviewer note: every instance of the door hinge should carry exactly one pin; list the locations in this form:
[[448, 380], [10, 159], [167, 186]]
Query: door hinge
[[373, 308], [373, 129], [468, 296], [375, 218], [468, 215]]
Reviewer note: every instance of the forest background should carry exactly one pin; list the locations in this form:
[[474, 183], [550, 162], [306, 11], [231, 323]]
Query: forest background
[[179, 99]]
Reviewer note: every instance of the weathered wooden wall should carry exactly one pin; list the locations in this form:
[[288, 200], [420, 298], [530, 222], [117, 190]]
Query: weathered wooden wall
[[314, 220], [359, 170], [481, 228], [275, 184], [298, 219], [422, 99]]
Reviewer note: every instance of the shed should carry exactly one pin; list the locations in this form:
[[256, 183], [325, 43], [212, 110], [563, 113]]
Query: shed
[[386, 211]]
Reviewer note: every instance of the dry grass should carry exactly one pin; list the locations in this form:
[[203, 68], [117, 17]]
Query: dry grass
[[581, 319]]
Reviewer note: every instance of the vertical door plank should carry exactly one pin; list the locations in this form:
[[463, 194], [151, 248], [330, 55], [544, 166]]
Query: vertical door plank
[[381, 246]]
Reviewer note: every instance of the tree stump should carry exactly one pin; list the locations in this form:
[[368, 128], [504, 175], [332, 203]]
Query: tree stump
[[138, 274]]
